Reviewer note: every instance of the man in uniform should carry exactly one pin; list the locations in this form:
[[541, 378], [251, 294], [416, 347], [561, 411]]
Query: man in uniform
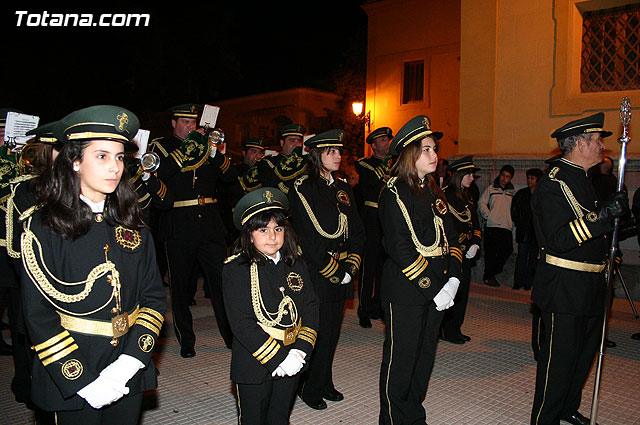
[[252, 152], [193, 231], [569, 285], [281, 170], [373, 172]]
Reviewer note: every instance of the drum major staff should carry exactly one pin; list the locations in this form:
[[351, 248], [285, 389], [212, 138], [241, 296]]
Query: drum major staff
[[92, 294], [569, 285]]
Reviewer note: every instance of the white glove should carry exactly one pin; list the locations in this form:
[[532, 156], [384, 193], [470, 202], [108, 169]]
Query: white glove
[[472, 251], [102, 391], [346, 279], [212, 151], [292, 364], [452, 286], [444, 298], [123, 369], [145, 176]]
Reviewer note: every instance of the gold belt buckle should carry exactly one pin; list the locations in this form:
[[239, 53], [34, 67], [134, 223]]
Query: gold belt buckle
[[120, 324], [201, 200], [290, 335]]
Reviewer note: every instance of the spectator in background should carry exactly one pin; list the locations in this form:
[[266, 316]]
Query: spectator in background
[[525, 235], [442, 172], [495, 208]]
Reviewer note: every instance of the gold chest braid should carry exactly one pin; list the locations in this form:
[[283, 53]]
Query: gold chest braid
[[262, 314], [343, 222], [40, 277], [426, 251], [577, 208]]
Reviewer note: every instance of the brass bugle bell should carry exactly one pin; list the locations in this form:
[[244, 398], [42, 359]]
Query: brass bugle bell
[[150, 162], [216, 136], [26, 156]]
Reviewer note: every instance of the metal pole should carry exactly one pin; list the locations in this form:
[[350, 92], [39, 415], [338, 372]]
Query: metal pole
[[625, 119], [626, 292]]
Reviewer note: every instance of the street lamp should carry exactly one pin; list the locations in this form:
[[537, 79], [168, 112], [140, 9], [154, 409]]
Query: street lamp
[[358, 107]]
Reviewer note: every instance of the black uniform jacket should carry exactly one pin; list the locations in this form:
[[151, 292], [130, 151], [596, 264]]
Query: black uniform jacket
[[565, 221], [408, 277], [328, 259], [199, 222], [256, 354], [151, 192], [372, 173], [278, 171], [465, 220], [66, 360], [20, 201]]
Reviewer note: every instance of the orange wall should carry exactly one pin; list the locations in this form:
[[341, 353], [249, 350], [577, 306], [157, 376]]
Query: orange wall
[[403, 30]]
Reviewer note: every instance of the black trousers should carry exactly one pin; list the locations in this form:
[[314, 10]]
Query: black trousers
[[374, 258], [498, 246], [183, 256], [125, 411], [409, 350], [268, 403], [319, 377], [454, 316], [566, 353], [525, 265]]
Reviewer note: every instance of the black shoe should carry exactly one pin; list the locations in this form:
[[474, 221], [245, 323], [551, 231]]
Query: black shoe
[[516, 287], [527, 287], [192, 302], [365, 322], [465, 337], [636, 336], [492, 282], [187, 352], [376, 316], [333, 395], [609, 344], [454, 340], [577, 419], [317, 404]]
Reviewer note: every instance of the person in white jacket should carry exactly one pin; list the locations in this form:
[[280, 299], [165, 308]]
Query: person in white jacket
[[495, 207]]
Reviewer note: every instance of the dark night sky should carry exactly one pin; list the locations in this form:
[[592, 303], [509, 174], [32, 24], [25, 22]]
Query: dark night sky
[[190, 52]]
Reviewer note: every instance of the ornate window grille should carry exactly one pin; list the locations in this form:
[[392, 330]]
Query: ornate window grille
[[611, 49], [413, 82]]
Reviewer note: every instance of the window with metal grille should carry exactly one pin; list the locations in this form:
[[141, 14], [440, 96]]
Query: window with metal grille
[[413, 82], [611, 49]]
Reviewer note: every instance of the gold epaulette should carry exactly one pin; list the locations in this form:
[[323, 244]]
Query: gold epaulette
[[231, 258], [22, 178]]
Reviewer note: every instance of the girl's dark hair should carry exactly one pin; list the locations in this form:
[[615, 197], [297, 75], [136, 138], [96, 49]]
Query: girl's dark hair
[[244, 246], [65, 213], [455, 189], [405, 168], [315, 162]]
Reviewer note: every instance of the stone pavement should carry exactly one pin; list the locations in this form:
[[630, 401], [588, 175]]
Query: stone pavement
[[489, 380]]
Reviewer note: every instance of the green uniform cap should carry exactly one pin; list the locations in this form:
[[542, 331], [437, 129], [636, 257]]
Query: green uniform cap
[[259, 200], [331, 138], [291, 130], [464, 164], [379, 132], [44, 133], [253, 142], [591, 124], [417, 128], [101, 122], [188, 110]]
